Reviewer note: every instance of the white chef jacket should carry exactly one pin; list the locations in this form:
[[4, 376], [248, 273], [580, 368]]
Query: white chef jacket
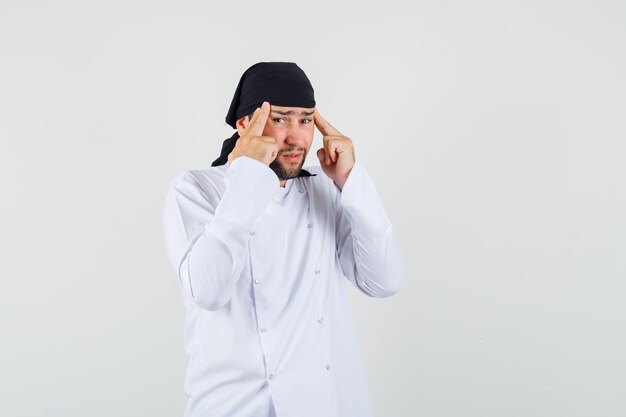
[[269, 330]]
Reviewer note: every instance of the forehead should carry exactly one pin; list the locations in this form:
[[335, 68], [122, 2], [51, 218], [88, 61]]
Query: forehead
[[292, 111]]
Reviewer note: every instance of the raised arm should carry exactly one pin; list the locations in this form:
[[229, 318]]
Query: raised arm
[[206, 237], [206, 234], [368, 253]]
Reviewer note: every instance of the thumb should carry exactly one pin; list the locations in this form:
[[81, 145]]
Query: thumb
[[321, 155]]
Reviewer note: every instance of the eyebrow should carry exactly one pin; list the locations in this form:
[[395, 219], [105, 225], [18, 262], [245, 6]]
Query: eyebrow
[[291, 113]]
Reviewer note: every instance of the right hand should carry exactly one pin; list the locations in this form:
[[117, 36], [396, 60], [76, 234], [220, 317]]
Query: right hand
[[252, 143]]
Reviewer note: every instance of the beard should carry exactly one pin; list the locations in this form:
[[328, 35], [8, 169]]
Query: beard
[[286, 170]]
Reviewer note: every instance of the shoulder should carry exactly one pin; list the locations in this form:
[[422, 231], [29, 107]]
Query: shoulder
[[208, 182]]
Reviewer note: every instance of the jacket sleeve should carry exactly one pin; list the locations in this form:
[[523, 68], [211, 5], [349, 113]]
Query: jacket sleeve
[[206, 236], [368, 253]]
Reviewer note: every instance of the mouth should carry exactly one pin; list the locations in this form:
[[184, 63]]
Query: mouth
[[295, 156]]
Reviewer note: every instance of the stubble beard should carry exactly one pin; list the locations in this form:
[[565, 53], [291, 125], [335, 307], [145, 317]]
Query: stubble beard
[[290, 171]]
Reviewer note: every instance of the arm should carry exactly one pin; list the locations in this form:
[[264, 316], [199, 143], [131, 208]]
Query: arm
[[368, 253], [206, 237]]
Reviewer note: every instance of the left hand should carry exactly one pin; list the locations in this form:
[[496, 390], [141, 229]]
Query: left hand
[[337, 155]]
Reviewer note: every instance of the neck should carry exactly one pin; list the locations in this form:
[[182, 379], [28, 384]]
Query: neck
[[282, 183]]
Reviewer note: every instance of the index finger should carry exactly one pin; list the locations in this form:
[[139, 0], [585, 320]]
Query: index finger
[[257, 124], [322, 124]]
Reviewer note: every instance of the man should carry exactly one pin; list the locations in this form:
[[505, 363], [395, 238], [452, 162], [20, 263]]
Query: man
[[262, 247]]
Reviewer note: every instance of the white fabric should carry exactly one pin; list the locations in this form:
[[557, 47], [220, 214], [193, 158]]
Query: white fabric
[[262, 269]]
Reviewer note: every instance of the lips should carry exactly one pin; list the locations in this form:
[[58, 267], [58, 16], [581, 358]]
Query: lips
[[292, 155]]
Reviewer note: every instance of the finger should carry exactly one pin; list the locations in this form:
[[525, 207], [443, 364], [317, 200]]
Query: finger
[[322, 155], [324, 127], [273, 151], [332, 147], [257, 124]]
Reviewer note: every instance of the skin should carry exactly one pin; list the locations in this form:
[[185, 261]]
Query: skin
[[274, 133]]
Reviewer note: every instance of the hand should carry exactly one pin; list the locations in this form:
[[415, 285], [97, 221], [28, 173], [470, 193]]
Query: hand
[[337, 156], [252, 143]]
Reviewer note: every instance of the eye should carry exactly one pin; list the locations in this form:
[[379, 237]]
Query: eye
[[279, 119], [306, 121]]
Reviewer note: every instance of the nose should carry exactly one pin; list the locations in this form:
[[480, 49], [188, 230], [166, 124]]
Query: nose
[[295, 136]]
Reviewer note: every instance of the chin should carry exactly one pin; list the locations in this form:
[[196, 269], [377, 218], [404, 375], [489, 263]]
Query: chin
[[285, 173]]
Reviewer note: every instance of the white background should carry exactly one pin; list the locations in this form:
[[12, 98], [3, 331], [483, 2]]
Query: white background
[[494, 131]]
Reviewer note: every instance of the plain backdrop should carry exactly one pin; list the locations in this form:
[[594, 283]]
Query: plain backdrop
[[494, 131]]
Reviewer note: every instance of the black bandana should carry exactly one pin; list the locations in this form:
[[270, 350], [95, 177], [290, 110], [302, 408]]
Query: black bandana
[[279, 83]]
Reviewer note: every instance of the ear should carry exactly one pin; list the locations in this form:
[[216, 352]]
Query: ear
[[242, 124]]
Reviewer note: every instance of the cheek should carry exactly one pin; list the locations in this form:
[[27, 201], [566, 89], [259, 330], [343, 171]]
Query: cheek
[[267, 130], [308, 135], [272, 132]]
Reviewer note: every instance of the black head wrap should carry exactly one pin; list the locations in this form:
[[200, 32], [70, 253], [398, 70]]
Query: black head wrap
[[279, 83]]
